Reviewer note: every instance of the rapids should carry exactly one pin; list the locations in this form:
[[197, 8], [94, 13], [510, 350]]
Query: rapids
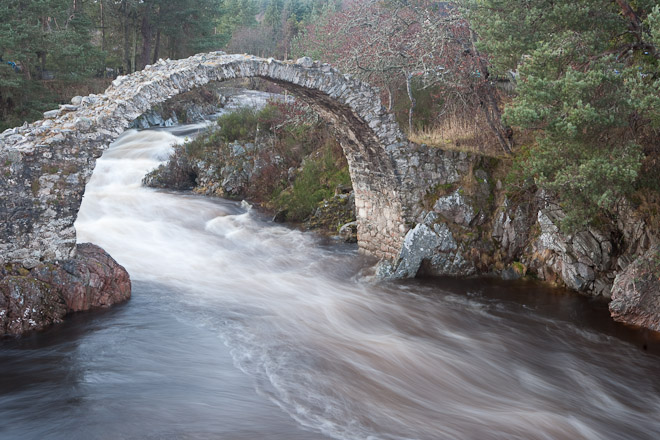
[[243, 329]]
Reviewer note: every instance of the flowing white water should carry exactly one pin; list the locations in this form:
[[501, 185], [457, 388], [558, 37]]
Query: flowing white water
[[342, 357]]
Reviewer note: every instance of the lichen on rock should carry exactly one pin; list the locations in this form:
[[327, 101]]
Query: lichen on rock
[[34, 299]]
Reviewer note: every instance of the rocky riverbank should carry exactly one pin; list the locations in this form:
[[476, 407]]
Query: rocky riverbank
[[32, 299], [467, 222], [298, 175], [186, 108], [470, 223]]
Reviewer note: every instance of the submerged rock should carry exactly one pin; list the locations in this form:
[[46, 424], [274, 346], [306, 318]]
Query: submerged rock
[[636, 292], [34, 299]]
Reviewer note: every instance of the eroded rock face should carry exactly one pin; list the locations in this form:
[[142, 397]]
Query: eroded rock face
[[579, 258], [511, 228], [456, 208], [472, 227], [636, 292], [35, 299], [154, 119]]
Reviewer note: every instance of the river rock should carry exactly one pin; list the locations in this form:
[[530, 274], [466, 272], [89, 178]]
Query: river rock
[[35, 299], [636, 292], [177, 174], [431, 246], [420, 243], [348, 232]]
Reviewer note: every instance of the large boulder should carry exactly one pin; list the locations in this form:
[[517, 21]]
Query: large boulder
[[28, 304], [636, 292], [430, 245], [34, 299]]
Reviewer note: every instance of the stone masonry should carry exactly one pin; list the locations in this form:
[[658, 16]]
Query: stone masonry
[[46, 164]]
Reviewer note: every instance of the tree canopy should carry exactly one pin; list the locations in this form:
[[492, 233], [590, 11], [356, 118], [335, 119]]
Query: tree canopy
[[582, 78], [587, 89]]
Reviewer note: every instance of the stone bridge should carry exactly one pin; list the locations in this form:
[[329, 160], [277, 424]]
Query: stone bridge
[[46, 164]]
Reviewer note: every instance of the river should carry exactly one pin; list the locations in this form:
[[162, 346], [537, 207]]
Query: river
[[241, 329]]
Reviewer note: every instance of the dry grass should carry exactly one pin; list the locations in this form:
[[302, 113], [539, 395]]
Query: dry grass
[[454, 133]]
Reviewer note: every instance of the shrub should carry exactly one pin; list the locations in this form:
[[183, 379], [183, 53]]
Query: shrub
[[316, 181]]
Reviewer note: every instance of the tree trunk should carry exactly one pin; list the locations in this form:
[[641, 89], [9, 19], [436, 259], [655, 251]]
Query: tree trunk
[[492, 113], [42, 59], [102, 25], [147, 32], [26, 68], [413, 102], [159, 24], [489, 103], [127, 37], [628, 12], [134, 48], [156, 47], [41, 55]]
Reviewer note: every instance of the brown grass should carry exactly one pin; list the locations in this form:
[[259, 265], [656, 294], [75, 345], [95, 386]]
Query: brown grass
[[461, 134]]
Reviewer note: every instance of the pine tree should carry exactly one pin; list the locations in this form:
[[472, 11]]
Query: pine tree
[[587, 82]]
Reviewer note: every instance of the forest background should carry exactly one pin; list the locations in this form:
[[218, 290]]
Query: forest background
[[567, 93]]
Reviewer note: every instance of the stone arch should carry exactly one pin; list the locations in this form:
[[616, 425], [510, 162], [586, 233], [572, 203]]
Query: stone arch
[[48, 163]]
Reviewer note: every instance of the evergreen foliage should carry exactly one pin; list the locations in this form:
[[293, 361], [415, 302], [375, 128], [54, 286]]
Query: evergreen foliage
[[587, 87], [586, 74], [39, 37]]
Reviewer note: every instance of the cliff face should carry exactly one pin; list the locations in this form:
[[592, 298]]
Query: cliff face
[[636, 291], [467, 225]]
